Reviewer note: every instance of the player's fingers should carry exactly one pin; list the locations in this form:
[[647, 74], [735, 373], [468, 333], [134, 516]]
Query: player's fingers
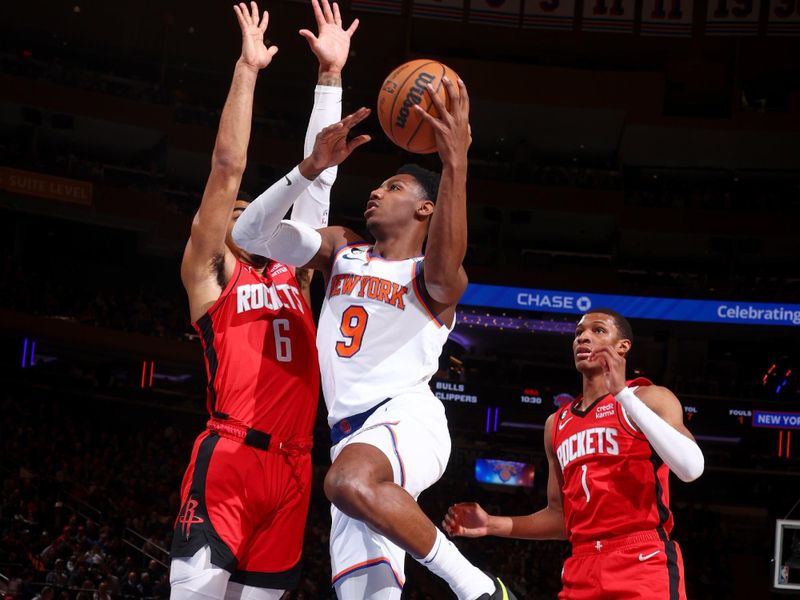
[[463, 96], [310, 37], [239, 16], [245, 13], [318, 16], [428, 118], [337, 16], [272, 51], [326, 11], [356, 142], [437, 102], [331, 132], [450, 90], [264, 22], [355, 118], [254, 12], [247, 16], [352, 29]]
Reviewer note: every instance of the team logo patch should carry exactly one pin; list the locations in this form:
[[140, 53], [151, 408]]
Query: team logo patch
[[188, 517], [344, 425]]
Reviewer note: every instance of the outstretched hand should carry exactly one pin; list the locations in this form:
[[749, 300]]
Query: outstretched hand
[[332, 147], [255, 53], [451, 129], [467, 519], [331, 45]]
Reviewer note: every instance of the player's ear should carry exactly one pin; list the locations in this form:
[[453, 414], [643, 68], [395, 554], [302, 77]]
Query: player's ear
[[624, 346], [425, 209]]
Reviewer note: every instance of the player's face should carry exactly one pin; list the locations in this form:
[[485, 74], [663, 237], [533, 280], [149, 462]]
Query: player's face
[[397, 201], [594, 330], [252, 259]]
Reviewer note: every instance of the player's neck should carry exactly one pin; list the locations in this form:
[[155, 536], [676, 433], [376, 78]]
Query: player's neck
[[257, 263], [397, 248], [594, 387]]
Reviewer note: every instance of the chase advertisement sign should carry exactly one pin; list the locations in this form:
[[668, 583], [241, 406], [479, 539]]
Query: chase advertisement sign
[[641, 307]]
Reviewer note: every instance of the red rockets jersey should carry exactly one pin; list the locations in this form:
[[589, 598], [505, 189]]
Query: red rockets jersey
[[260, 351], [614, 482]]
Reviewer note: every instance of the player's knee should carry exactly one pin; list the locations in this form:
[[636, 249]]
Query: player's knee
[[349, 492]]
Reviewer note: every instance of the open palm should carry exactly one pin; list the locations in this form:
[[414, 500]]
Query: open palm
[[331, 45], [254, 51]]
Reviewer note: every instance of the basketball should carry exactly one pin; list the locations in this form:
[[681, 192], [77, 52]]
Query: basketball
[[401, 90]]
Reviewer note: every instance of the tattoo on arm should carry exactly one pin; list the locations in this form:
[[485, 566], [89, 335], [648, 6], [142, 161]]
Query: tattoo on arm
[[330, 79]]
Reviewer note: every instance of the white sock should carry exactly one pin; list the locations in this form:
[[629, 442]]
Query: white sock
[[467, 581]]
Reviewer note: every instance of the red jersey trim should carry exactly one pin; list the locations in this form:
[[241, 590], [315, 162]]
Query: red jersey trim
[[554, 430]]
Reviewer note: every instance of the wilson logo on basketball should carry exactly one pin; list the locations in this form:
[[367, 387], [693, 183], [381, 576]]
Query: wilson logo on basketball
[[414, 96]]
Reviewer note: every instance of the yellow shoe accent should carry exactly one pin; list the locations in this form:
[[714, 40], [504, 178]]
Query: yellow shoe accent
[[503, 589]]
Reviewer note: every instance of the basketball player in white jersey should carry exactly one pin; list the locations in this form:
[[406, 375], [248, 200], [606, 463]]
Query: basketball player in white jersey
[[388, 311]]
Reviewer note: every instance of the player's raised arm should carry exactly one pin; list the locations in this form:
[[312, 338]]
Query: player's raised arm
[[470, 520], [260, 228], [207, 239], [657, 413], [445, 279], [331, 46]]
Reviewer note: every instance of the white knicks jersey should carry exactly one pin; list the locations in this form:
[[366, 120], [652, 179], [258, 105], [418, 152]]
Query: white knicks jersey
[[376, 338]]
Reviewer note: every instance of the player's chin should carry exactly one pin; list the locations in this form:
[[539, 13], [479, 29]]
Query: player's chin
[[372, 222], [584, 366]]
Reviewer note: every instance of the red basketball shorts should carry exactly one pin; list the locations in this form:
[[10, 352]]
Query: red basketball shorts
[[249, 506], [646, 566]]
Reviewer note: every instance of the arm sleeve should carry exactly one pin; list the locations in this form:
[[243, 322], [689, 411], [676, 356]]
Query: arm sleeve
[[260, 221], [682, 455], [313, 205]]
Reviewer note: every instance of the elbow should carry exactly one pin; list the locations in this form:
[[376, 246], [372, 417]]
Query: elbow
[[693, 474], [694, 470], [229, 163]]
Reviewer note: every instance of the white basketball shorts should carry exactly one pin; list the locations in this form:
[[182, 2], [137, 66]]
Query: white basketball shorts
[[411, 430]]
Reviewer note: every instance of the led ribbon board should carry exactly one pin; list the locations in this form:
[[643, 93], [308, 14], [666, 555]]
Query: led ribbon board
[[633, 307]]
